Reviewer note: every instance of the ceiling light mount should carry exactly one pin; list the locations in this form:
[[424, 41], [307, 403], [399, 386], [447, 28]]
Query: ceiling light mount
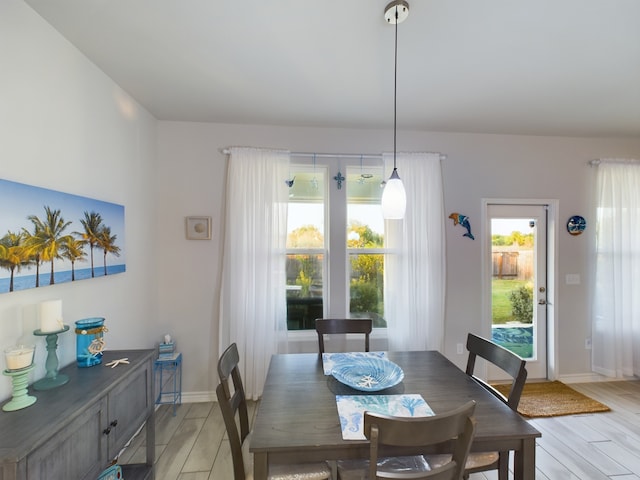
[[390, 11]]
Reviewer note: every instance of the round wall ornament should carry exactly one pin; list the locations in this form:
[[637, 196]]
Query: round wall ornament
[[576, 225]]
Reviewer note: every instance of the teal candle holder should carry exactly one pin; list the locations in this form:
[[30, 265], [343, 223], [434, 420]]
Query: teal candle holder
[[21, 399], [52, 379]]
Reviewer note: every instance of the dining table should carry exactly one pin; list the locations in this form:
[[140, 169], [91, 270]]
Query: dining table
[[297, 419]]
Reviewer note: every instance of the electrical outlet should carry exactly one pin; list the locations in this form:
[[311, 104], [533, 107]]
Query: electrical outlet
[[460, 348], [587, 343]]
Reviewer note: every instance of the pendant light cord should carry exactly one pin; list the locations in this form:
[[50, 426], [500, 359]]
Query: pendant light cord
[[395, 92]]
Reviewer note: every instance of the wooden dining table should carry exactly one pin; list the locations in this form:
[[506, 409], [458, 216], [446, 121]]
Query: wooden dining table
[[297, 419]]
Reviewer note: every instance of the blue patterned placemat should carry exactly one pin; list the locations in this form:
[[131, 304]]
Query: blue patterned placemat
[[351, 410], [329, 360]]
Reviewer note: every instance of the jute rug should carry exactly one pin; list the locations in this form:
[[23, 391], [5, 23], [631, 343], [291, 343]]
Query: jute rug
[[550, 399]]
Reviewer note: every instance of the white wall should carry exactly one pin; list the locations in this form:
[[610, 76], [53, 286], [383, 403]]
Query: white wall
[[66, 126], [191, 179]]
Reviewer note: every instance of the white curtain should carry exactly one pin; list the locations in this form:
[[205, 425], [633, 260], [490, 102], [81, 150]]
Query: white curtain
[[253, 310], [415, 274], [616, 299]]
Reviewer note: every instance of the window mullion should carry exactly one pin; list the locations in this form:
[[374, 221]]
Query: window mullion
[[337, 293]]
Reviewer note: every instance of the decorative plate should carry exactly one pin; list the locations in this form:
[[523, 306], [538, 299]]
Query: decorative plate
[[576, 225], [368, 374]]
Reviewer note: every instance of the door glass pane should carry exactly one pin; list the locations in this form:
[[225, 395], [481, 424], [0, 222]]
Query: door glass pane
[[512, 285]]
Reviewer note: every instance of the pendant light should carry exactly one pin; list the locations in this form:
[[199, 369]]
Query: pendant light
[[394, 197]]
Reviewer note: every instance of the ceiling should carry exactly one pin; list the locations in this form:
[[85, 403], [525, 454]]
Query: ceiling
[[545, 67]]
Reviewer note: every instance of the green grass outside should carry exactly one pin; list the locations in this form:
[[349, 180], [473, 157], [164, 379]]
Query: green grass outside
[[500, 304]]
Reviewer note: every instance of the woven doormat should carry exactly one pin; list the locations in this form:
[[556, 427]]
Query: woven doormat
[[551, 399]]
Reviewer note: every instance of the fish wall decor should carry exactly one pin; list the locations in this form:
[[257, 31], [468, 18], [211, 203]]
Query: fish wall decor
[[459, 219]]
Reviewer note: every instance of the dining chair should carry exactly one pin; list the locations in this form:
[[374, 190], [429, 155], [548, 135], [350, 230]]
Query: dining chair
[[452, 431], [515, 367], [235, 404], [328, 326]]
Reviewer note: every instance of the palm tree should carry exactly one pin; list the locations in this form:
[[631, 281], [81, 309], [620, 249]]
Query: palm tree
[[12, 254], [92, 224], [33, 249], [73, 250], [106, 241], [49, 235]]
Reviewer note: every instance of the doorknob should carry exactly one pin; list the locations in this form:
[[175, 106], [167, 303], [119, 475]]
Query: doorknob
[[542, 301]]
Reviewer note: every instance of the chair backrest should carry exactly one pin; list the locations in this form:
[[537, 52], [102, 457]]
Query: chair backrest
[[505, 359], [326, 326], [232, 404], [453, 431]]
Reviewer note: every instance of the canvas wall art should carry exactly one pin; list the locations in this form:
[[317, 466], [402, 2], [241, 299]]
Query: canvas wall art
[[49, 237]]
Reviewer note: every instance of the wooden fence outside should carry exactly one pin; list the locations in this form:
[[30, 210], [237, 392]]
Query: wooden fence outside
[[512, 262]]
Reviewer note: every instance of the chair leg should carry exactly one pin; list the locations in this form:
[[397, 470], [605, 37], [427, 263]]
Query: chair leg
[[503, 466]]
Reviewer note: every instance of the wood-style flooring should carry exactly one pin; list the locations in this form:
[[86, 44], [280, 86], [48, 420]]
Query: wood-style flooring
[[193, 446]]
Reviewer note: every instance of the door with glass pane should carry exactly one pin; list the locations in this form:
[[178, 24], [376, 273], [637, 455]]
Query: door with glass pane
[[518, 279]]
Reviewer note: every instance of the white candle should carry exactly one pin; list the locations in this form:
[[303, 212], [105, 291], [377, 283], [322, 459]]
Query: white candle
[[19, 356], [51, 316]]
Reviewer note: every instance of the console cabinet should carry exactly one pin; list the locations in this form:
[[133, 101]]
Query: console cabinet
[[75, 430]]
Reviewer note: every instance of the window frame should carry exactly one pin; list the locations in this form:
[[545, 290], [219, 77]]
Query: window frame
[[336, 252]]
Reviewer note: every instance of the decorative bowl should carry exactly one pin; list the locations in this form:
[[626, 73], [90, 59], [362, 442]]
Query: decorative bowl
[[368, 374]]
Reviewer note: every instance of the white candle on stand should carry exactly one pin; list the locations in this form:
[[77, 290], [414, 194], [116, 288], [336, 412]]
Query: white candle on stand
[[51, 316], [19, 356]]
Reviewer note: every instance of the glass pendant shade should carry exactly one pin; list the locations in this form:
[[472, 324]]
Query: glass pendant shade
[[394, 198]]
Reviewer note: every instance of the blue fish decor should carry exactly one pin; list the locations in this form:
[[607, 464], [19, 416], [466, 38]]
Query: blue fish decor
[[459, 219]]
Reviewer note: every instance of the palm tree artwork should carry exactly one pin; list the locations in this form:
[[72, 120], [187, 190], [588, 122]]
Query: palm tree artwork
[[40, 227]]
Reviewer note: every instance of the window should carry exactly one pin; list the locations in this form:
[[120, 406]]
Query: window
[[335, 242]]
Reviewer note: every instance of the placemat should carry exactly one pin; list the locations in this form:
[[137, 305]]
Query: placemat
[[351, 410]]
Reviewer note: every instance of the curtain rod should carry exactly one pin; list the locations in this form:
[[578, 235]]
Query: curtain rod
[[378, 156], [593, 163]]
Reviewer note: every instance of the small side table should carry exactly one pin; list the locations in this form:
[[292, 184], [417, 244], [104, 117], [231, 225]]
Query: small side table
[[168, 372]]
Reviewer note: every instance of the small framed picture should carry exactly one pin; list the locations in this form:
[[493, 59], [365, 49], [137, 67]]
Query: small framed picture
[[198, 228]]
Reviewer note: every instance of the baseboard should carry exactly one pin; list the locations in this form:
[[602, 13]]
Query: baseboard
[[198, 397], [585, 378]]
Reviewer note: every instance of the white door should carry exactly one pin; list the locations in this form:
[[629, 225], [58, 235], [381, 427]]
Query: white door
[[517, 273]]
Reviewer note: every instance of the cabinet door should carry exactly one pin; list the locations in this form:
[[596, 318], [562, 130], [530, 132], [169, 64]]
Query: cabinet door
[[129, 404], [78, 451]]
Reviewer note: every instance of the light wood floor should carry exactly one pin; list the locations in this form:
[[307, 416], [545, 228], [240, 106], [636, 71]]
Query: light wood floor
[[192, 445]]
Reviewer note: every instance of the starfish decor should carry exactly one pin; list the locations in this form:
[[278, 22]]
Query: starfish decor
[[115, 363]]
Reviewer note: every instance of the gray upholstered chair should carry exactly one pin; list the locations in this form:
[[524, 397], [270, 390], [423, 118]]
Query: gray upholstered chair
[[232, 404]]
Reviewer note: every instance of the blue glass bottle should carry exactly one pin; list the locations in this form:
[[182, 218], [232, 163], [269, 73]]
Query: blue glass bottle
[[89, 341]]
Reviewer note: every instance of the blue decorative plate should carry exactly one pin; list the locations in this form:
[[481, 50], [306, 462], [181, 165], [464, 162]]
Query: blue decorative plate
[[368, 374]]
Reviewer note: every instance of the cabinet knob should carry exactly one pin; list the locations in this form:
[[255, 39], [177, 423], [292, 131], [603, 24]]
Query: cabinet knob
[[114, 423], [107, 431]]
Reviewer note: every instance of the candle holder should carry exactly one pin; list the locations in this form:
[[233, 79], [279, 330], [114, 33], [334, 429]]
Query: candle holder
[[52, 379], [20, 380]]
